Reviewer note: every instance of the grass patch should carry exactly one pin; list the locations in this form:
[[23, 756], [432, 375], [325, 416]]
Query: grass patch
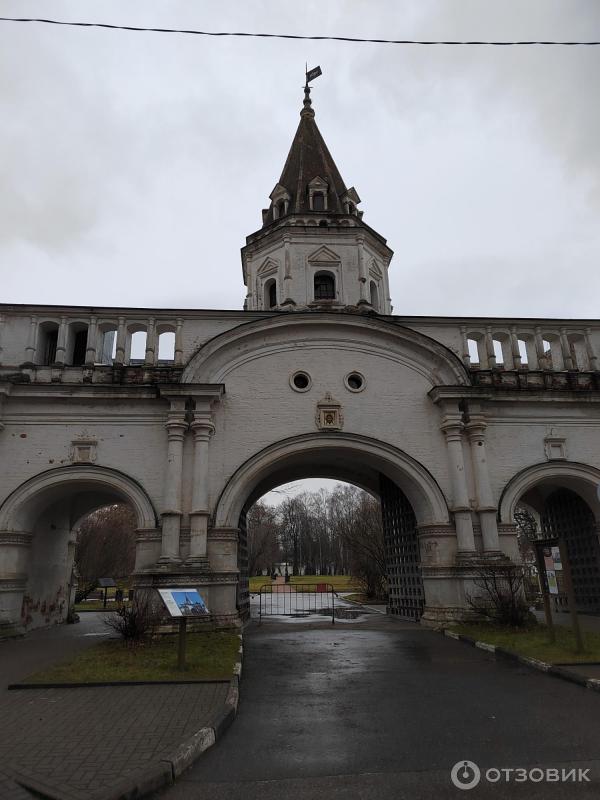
[[343, 583], [533, 642], [210, 656], [97, 605]]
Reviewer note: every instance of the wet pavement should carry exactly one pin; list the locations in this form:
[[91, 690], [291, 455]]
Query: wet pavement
[[377, 708]]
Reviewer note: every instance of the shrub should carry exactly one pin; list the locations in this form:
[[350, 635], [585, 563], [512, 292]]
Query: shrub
[[137, 621], [500, 598]]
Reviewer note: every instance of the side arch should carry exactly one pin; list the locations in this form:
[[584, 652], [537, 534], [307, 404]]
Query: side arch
[[583, 479], [20, 509], [356, 459]]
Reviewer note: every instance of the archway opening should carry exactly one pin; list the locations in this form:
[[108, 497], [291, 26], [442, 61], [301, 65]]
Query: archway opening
[[359, 538], [104, 559], [44, 517], [566, 507]]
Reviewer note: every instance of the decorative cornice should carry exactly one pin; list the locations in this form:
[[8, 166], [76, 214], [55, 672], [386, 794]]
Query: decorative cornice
[[223, 534], [16, 538], [13, 583]]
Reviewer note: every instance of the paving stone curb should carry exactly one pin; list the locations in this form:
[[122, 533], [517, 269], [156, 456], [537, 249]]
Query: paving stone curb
[[163, 773], [532, 663], [15, 687]]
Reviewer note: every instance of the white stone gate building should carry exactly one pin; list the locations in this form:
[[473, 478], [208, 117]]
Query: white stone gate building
[[452, 422]]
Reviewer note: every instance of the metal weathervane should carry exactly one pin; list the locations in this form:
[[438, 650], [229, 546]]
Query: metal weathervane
[[312, 74]]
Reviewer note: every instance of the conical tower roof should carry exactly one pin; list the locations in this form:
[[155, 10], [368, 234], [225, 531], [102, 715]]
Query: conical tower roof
[[310, 159]]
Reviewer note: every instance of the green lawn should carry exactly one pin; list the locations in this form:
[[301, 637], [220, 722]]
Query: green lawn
[[341, 583], [96, 605], [533, 642], [209, 656]]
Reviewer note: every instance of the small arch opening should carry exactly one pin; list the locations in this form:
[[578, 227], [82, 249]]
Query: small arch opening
[[79, 335], [166, 346], [523, 352], [473, 348], [324, 286], [271, 293], [48, 343], [137, 347], [498, 353], [374, 296]]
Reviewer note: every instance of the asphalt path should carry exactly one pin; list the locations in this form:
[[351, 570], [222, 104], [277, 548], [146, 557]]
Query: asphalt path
[[376, 708]]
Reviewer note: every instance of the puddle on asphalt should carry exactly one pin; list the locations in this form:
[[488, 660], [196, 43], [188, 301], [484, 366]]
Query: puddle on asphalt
[[341, 613]]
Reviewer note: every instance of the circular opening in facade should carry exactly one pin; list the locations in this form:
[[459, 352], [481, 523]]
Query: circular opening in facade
[[355, 382], [301, 381]]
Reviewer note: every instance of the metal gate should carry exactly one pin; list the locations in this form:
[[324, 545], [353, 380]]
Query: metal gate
[[406, 597], [296, 600], [568, 516], [243, 586]]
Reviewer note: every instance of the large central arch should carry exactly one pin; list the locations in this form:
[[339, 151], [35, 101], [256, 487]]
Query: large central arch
[[409, 497], [347, 457]]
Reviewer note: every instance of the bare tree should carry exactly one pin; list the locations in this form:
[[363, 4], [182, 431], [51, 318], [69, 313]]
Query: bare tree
[[105, 547], [263, 538], [356, 520]]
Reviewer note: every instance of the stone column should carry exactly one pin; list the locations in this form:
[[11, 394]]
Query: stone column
[[452, 426], [150, 354], [61, 342], [566, 349], [1, 329], [365, 295], [30, 350], [466, 356], [90, 350], [120, 346], [514, 347], [176, 426], [179, 342], [489, 348], [539, 349], [589, 347], [486, 507], [203, 429]]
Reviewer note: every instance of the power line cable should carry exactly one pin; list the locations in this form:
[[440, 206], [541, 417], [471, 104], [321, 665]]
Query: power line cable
[[299, 36]]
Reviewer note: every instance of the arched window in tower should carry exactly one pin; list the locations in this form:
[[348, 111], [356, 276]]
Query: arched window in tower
[[318, 201], [271, 293], [281, 209], [324, 286], [374, 296]]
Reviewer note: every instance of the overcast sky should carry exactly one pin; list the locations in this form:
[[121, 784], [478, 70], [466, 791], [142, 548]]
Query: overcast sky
[[134, 164]]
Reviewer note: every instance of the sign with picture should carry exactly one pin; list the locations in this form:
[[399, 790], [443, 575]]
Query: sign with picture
[[184, 602], [556, 558], [552, 582]]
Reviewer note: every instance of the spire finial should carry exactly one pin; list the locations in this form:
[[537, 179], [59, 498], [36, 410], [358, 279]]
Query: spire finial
[[307, 110]]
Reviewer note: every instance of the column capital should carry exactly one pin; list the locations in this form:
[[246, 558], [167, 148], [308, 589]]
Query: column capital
[[202, 427], [452, 427], [476, 427]]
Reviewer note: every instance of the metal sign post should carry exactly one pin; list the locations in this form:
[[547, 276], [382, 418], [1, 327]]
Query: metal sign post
[[182, 643], [183, 603], [541, 566]]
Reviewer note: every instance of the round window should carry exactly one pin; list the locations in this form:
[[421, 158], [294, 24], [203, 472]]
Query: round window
[[355, 382], [301, 381]]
